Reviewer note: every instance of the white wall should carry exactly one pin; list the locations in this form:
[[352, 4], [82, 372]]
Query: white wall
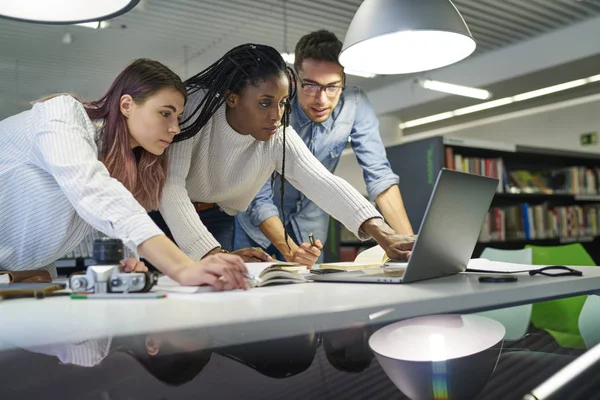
[[557, 125], [349, 170], [559, 129]]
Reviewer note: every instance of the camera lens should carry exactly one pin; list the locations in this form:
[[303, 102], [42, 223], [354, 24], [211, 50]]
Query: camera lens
[[78, 284], [108, 251]]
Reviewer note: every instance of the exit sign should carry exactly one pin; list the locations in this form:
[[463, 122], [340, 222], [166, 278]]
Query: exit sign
[[588, 139]]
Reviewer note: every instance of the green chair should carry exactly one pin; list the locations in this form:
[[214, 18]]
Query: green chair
[[560, 318], [515, 319]]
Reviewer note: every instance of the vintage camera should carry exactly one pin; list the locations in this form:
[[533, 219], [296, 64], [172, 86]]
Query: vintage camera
[[107, 276]]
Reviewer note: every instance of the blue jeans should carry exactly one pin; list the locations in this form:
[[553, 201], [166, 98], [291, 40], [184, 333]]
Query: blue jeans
[[220, 224], [242, 241]]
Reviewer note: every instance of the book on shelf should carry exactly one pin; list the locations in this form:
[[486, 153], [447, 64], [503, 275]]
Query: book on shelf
[[490, 167], [348, 253], [574, 180], [541, 221], [571, 180]]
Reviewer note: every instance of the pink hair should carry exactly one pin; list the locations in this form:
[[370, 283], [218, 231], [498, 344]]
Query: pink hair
[[140, 171]]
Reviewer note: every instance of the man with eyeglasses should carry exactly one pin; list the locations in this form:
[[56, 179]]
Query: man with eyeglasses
[[327, 115]]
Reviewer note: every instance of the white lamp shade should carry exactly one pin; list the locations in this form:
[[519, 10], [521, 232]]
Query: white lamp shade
[[64, 11], [405, 36], [439, 356], [437, 337]]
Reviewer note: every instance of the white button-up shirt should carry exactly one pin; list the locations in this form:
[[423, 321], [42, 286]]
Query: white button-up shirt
[[54, 191]]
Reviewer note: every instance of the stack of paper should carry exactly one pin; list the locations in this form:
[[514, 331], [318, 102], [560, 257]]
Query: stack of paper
[[483, 264]]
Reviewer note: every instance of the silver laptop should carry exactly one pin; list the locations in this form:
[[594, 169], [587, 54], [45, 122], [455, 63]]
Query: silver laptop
[[448, 234]]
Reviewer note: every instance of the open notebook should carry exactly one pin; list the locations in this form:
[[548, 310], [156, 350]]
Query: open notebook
[[278, 274], [373, 257], [268, 273]]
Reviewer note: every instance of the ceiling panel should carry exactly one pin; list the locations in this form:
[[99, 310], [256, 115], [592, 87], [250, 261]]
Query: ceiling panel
[[188, 35]]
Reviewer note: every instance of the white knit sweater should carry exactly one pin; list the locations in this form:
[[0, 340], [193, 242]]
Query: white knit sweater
[[219, 165]]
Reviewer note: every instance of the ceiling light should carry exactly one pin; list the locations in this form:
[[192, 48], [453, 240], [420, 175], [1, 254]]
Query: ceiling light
[[289, 58], [484, 106], [405, 36], [594, 78], [459, 90], [500, 102], [95, 24], [427, 120], [550, 89], [63, 12]]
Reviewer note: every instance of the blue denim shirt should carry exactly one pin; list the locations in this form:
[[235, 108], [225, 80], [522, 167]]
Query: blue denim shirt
[[353, 118]]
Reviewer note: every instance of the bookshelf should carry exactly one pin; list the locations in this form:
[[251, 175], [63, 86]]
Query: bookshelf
[[545, 196]]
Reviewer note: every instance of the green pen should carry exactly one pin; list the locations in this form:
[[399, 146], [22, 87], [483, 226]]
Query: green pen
[[104, 296]]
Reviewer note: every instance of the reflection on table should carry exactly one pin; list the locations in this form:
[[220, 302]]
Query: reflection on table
[[195, 363]]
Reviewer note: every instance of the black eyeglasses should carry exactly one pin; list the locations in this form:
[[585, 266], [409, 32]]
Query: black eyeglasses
[[312, 89], [551, 270], [561, 270]]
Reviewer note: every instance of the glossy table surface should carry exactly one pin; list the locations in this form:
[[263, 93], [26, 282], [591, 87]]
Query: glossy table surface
[[279, 311]]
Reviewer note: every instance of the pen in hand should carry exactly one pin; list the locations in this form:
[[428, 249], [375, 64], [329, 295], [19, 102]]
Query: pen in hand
[[311, 239]]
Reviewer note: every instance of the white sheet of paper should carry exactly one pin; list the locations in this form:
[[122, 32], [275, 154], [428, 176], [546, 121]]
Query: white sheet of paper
[[166, 284], [498, 267], [4, 278], [255, 268]]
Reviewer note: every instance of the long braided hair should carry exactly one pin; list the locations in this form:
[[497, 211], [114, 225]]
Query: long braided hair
[[247, 64]]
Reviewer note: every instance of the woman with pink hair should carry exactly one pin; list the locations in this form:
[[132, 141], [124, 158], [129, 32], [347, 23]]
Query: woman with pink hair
[[68, 167]]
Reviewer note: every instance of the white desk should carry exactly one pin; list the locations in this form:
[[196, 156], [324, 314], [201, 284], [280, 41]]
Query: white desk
[[278, 311]]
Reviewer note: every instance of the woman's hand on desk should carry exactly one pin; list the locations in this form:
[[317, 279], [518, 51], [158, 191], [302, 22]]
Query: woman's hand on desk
[[132, 264], [222, 271]]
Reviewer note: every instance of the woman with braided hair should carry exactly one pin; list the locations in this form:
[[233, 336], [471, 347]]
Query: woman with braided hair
[[236, 120]]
